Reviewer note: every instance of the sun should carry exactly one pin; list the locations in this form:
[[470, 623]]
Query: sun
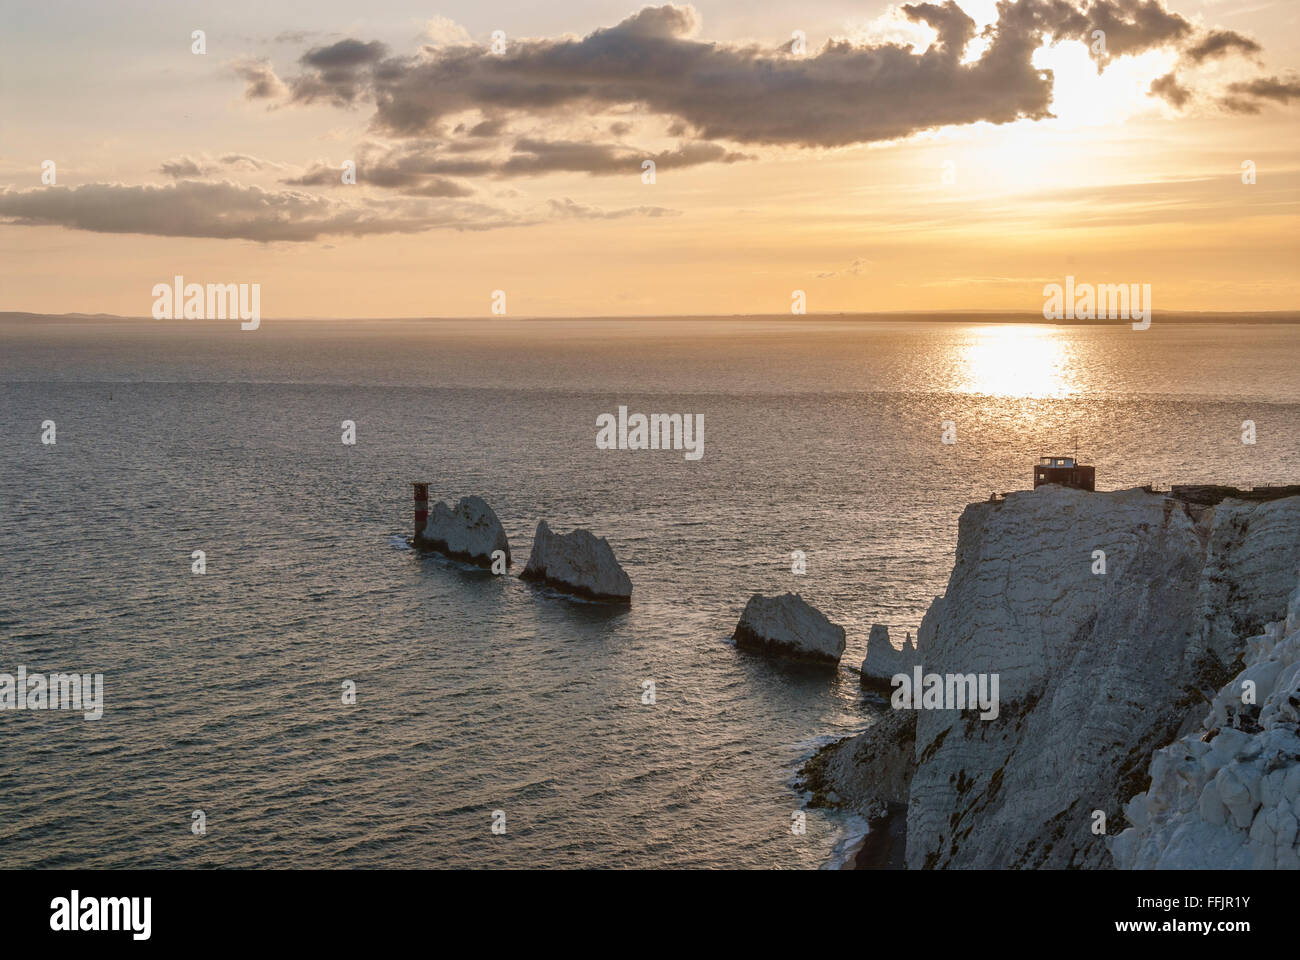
[[1081, 97]]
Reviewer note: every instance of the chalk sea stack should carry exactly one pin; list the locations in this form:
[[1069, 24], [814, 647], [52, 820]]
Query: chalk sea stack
[[579, 563], [470, 531], [787, 626], [883, 661]]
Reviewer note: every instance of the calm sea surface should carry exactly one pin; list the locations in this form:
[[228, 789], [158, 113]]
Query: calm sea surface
[[478, 693]]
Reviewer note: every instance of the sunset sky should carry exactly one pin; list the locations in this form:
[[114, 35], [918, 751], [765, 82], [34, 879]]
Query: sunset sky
[[910, 159]]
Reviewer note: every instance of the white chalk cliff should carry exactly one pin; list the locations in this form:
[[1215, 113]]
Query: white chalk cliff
[[788, 626], [469, 531], [1228, 796], [1097, 670], [883, 661], [578, 562]]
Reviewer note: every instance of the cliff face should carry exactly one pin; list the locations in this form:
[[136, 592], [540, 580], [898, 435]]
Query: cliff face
[[1229, 795], [1097, 670]]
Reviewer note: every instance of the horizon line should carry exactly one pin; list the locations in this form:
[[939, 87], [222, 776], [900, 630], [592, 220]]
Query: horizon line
[[929, 316]]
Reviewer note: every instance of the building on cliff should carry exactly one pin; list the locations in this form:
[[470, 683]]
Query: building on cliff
[[1066, 471]]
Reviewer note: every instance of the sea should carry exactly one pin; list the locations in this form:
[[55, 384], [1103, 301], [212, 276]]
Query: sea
[[323, 696]]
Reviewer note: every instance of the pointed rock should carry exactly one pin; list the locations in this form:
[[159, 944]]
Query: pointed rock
[[883, 661], [579, 563]]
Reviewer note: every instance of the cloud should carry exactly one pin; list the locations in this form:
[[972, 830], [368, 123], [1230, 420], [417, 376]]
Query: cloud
[[345, 55], [439, 187], [243, 161], [571, 209], [229, 211], [259, 78], [1268, 88], [1170, 90], [1130, 26], [488, 128], [225, 210], [1220, 43], [1250, 96], [444, 32], [541, 156], [407, 165], [711, 96], [844, 94], [185, 166], [333, 71]]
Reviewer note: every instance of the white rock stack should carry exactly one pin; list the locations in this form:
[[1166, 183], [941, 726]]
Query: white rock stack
[[470, 531], [1229, 798], [787, 626], [579, 563], [883, 661]]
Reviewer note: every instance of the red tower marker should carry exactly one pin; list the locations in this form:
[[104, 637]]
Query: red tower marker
[[421, 507]]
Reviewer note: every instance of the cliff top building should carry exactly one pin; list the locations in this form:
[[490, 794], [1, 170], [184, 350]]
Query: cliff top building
[[1066, 471]]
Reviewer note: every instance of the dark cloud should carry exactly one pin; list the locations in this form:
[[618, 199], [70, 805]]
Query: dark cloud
[[334, 72], [407, 166], [1170, 90], [226, 211], [549, 156], [1268, 88], [1131, 26], [843, 94], [1250, 96], [488, 128], [344, 55], [1220, 43]]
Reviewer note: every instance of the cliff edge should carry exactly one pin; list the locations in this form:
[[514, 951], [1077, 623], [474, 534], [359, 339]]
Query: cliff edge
[[1111, 620]]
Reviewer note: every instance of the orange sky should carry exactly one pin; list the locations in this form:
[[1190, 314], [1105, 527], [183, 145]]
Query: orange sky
[[1119, 187]]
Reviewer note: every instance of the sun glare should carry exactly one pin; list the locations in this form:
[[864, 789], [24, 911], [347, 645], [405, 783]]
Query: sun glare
[[1017, 360], [1082, 97]]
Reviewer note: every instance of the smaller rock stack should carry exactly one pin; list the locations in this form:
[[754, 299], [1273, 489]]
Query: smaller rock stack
[[789, 627]]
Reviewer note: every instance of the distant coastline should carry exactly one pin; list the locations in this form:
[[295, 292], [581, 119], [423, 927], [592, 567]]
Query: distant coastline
[[914, 316]]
